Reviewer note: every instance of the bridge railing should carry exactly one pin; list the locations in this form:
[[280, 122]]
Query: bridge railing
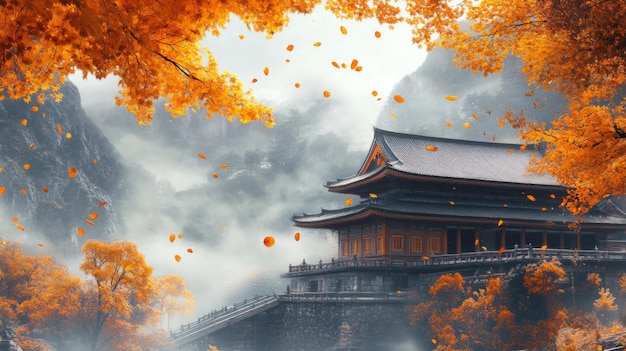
[[223, 314], [521, 254]]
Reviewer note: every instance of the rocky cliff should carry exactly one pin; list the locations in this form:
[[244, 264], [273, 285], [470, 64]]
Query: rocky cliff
[[38, 146]]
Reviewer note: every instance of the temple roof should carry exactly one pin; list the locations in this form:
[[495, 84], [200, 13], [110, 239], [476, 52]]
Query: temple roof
[[455, 159], [439, 209]]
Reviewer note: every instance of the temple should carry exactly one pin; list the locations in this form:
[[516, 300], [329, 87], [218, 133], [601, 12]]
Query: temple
[[418, 197]]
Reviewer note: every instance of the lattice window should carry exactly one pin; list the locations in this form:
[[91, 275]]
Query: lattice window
[[380, 245], [397, 243], [344, 249], [367, 246], [435, 244], [416, 244], [355, 247]]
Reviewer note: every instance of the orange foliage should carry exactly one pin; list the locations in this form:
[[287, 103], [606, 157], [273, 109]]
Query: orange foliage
[[172, 297], [544, 278]]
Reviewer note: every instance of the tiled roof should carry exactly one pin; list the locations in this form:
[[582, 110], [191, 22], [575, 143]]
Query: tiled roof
[[471, 160], [440, 209]]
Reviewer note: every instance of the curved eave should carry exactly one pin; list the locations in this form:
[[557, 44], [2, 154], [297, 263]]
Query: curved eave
[[329, 219], [348, 185]]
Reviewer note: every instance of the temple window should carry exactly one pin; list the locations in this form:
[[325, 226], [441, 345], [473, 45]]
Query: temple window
[[416, 244], [435, 244], [380, 244], [396, 243], [344, 249], [355, 247], [367, 246]]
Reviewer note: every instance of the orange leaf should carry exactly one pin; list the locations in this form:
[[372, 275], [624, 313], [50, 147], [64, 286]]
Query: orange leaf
[[317, 44], [93, 215], [530, 197], [26, 165], [20, 227], [296, 236], [95, 161], [343, 29], [358, 68], [377, 34], [500, 222], [349, 201], [71, 172], [552, 196], [373, 196], [297, 85], [451, 98], [202, 156], [501, 250], [2, 190], [34, 108], [223, 166], [354, 64], [266, 71], [44, 188], [68, 135], [467, 125], [474, 116], [24, 122], [449, 124], [102, 204], [59, 129], [180, 236], [22, 191], [452, 203], [431, 148], [80, 231], [172, 237], [15, 219], [254, 80], [399, 99], [190, 250], [374, 93], [215, 175], [544, 246], [269, 241], [289, 47], [90, 222], [335, 64], [326, 93], [177, 258]]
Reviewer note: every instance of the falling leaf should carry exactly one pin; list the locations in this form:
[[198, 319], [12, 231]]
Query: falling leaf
[[335, 64], [358, 68], [374, 93], [449, 124], [431, 148], [343, 29], [22, 191], [180, 235], [544, 246], [393, 116], [31, 146], [434, 341], [93, 215], [2, 190], [552, 196], [266, 71], [34, 108], [501, 250], [177, 258], [215, 175], [343, 65], [544, 209], [474, 116], [26, 165], [287, 60], [224, 166], [451, 98], [399, 99], [269, 241], [24, 122], [484, 248], [425, 258], [68, 135], [373, 196], [44, 188], [91, 223], [71, 172], [95, 161], [202, 156], [505, 205], [172, 237], [326, 93], [19, 227], [500, 222], [476, 242], [297, 85], [317, 43], [223, 225], [1, 169], [349, 201], [40, 245], [102, 204], [190, 250], [254, 80], [354, 64], [59, 129], [452, 203], [377, 34], [467, 125], [290, 47], [510, 150], [241, 36], [15, 219], [296, 236], [80, 231], [530, 197]]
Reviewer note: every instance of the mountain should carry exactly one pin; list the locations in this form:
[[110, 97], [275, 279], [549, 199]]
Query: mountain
[[427, 111], [39, 144]]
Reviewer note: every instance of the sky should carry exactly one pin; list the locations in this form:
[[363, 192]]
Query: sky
[[351, 114]]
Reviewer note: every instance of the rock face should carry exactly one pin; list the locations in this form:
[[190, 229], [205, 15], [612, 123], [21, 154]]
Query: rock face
[[36, 153]]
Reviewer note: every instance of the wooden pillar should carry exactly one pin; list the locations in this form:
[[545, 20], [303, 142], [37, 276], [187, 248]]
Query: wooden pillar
[[458, 241], [562, 240], [544, 238], [503, 239], [444, 237], [523, 238], [578, 239]]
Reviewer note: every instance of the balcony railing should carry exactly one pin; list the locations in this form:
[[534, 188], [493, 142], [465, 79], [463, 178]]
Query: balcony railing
[[519, 254]]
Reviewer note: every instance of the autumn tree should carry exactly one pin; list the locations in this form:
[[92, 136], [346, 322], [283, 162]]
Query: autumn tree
[[36, 293], [172, 298], [117, 304]]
